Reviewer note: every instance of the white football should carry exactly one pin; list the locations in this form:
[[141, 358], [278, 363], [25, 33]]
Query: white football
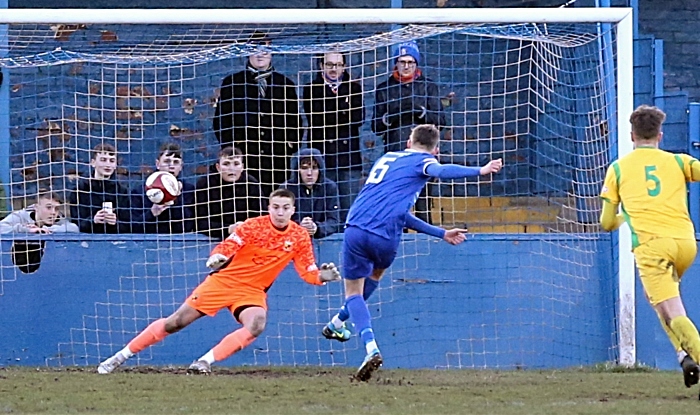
[[162, 187]]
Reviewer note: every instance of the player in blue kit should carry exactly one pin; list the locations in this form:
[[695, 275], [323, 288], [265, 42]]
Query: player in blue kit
[[375, 224]]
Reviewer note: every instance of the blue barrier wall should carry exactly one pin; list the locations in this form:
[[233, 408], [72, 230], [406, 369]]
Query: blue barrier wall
[[498, 301]]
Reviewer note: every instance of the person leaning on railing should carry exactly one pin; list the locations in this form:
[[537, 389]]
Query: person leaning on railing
[[43, 216]]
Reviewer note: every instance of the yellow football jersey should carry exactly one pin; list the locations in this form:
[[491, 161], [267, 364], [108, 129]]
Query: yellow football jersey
[[651, 186]]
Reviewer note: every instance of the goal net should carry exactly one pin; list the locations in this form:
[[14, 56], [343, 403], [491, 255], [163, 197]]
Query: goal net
[[93, 100]]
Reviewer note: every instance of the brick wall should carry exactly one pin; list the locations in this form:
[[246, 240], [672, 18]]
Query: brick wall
[[677, 22]]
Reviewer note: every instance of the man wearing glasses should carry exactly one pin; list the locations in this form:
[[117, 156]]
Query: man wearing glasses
[[333, 106], [404, 100]]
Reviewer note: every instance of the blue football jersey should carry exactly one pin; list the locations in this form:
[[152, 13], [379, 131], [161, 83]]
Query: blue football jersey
[[391, 190]]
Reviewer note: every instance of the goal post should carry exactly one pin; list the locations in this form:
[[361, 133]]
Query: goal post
[[626, 268], [545, 130]]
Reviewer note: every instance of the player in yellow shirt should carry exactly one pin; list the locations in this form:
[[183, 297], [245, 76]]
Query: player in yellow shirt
[[651, 186]]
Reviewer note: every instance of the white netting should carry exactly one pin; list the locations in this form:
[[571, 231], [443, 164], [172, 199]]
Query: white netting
[[527, 284]]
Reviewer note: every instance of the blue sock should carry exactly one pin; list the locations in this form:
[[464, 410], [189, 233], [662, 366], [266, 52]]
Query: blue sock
[[359, 313], [343, 313], [370, 286]]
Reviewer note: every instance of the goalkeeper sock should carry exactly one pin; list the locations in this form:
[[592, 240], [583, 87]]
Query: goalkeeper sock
[[359, 313], [154, 333], [229, 345], [126, 352], [369, 287], [688, 335]]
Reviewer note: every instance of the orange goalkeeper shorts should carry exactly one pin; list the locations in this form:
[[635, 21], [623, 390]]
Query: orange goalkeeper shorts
[[211, 296]]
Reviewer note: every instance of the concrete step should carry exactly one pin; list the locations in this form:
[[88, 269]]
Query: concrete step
[[506, 228], [509, 214], [503, 215], [500, 214]]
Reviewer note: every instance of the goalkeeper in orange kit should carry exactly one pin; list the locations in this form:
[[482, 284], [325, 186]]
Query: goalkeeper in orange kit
[[244, 266]]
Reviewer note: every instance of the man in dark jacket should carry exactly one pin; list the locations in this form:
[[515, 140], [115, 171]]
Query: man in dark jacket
[[316, 197], [404, 100], [258, 113], [177, 217], [100, 204], [333, 106], [229, 196]]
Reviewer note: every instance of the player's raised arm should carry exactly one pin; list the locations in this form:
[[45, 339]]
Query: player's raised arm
[[455, 171]]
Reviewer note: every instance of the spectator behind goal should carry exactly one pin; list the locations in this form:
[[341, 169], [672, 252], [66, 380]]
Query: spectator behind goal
[[177, 217], [403, 101], [315, 196], [227, 197], [258, 113], [44, 216], [334, 110], [101, 204]]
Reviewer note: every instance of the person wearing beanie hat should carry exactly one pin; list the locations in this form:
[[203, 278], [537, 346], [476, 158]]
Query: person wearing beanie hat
[[404, 100], [407, 49]]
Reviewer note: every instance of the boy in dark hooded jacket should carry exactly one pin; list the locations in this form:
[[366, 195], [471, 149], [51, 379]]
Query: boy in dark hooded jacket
[[316, 197]]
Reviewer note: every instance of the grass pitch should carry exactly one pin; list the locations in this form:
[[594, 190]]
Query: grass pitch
[[330, 391]]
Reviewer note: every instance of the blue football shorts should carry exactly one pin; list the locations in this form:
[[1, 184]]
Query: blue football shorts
[[363, 252]]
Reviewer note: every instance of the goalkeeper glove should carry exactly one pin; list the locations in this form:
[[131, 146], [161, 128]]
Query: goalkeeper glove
[[216, 261], [329, 273]]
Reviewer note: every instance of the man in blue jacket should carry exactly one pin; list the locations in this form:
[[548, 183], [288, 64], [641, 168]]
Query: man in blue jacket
[[316, 197]]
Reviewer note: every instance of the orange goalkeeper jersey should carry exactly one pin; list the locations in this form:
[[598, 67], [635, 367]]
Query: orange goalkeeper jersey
[[259, 252]]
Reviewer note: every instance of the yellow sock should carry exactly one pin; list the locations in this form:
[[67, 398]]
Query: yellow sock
[[687, 333], [671, 335]]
